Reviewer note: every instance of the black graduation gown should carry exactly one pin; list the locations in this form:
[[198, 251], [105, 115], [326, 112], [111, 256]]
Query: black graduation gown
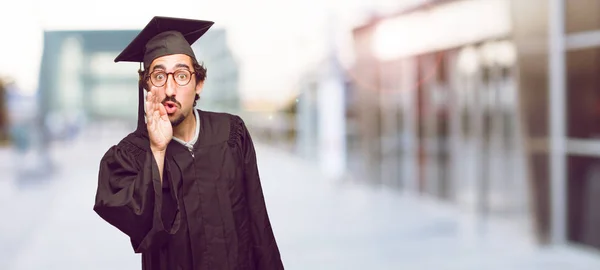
[[209, 213]]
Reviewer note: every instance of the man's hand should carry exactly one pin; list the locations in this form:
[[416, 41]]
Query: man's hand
[[159, 127]]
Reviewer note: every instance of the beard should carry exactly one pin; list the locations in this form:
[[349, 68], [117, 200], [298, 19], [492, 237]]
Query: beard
[[177, 121]]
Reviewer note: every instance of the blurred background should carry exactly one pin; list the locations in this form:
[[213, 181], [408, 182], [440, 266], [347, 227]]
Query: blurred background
[[391, 134]]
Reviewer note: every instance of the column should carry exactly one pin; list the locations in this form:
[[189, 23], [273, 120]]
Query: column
[[556, 54]]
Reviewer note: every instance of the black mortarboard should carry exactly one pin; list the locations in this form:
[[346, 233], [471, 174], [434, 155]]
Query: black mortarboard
[[162, 36]]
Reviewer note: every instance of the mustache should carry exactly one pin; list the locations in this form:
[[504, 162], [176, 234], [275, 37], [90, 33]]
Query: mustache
[[172, 99]]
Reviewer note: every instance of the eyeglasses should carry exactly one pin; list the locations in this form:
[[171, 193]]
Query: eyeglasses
[[159, 78]]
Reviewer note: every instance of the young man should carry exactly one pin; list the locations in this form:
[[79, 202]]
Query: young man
[[184, 186]]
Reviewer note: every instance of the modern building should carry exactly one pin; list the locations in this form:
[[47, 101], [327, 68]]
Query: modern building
[[221, 88], [78, 76], [489, 105], [324, 121], [80, 80]]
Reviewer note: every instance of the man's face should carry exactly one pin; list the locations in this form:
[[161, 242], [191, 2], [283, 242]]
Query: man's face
[[178, 99]]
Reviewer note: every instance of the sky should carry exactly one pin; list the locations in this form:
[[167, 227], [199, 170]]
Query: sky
[[275, 40]]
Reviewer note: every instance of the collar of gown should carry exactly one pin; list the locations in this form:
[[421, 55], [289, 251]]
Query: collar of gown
[[190, 144]]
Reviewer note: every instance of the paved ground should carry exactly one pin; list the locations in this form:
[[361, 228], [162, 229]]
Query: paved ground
[[319, 223]]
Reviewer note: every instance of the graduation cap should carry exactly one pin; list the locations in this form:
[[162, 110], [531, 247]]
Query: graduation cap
[[162, 36]]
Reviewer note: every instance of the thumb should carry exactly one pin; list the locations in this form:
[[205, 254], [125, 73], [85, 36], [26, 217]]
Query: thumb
[[163, 112], [161, 109]]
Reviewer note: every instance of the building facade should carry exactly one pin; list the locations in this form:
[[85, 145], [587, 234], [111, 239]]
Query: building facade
[[489, 105], [79, 78], [221, 88]]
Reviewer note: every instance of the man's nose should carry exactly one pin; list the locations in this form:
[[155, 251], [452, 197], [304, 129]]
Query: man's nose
[[170, 86]]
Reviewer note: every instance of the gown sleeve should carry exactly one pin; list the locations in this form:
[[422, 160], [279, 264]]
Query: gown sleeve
[[266, 251], [131, 198]]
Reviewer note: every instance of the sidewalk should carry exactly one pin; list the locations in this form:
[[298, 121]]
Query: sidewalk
[[24, 200], [318, 223], [327, 225], [7, 176]]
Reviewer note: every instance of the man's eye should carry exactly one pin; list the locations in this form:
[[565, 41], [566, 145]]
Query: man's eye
[[159, 76]]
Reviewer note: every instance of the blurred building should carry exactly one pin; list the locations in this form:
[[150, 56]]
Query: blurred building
[[4, 124], [463, 100], [221, 88], [324, 123], [438, 111], [79, 80]]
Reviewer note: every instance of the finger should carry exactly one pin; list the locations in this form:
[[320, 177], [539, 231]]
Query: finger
[[162, 110], [156, 116], [148, 112], [148, 117], [149, 95], [156, 102], [155, 96], [165, 116], [149, 121], [149, 107]]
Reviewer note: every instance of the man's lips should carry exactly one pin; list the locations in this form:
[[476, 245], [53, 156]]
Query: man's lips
[[170, 107], [170, 104]]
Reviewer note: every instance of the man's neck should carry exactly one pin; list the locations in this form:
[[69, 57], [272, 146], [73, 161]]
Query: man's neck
[[186, 129]]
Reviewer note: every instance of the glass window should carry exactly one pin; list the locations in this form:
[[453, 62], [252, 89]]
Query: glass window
[[583, 199], [582, 15], [583, 94], [117, 99]]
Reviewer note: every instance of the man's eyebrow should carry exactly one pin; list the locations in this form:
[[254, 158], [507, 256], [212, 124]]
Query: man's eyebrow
[[159, 66], [182, 66]]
